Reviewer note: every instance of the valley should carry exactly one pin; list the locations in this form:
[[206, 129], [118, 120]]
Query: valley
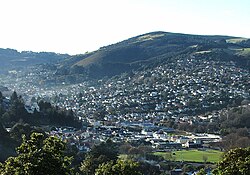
[[167, 91]]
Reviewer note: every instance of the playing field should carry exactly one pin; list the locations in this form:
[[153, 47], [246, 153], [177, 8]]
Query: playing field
[[192, 155]]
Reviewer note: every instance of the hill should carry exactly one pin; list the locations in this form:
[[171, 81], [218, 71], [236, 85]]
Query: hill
[[10, 58], [156, 72], [153, 48]]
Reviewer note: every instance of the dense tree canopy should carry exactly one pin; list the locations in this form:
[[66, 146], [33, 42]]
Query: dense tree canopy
[[3, 131], [235, 161], [14, 111], [39, 156], [121, 167], [99, 154]]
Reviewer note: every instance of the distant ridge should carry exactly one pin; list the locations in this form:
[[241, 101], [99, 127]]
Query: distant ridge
[[10, 58], [150, 48]]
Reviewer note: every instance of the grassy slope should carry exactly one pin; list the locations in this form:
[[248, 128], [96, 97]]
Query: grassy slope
[[245, 52], [93, 58], [143, 47], [235, 40]]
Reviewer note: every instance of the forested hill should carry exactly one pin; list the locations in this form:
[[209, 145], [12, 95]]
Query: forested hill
[[12, 59], [154, 49]]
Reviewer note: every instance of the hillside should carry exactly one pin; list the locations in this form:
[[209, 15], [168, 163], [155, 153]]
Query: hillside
[[153, 48], [10, 58]]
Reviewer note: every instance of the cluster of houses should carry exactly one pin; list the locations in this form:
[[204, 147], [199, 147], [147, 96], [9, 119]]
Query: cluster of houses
[[183, 89], [185, 86], [159, 138]]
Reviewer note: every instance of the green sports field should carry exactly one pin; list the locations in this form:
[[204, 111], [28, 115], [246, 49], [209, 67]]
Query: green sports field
[[192, 155]]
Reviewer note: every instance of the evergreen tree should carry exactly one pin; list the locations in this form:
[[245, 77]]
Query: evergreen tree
[[13, 97], [17, 110], [3, 131]]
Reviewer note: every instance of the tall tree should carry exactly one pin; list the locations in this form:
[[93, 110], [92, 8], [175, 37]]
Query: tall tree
[[17, 110], [3, 131], [39, 156], [13, 97]]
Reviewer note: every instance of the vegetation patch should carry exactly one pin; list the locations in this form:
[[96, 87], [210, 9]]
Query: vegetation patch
[[244, 52], [202, 52], [235, 40], [150, 37]]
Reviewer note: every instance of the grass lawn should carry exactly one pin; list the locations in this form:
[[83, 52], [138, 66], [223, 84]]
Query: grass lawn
[[192, 155]]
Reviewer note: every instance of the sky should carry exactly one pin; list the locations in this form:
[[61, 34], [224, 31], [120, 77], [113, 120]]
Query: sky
[[78, 26]]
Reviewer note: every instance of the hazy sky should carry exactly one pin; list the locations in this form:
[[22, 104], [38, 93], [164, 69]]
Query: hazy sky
[[77, 26]]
